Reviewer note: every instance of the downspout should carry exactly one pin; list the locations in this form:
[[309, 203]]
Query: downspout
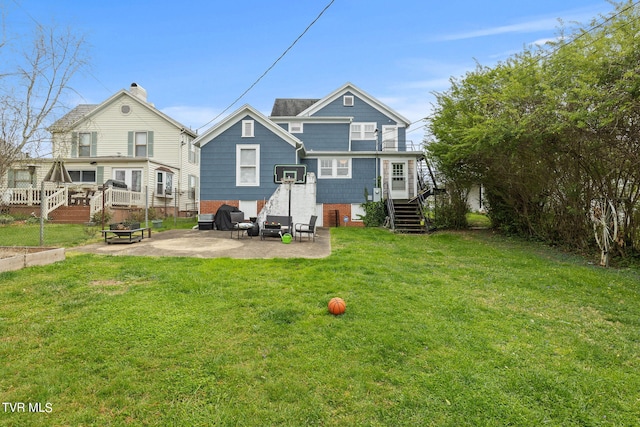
[[297, 153]]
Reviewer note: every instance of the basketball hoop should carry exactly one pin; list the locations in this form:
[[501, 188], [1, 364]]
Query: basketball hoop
[[288, 181]]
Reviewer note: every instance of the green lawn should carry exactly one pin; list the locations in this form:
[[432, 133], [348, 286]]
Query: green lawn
[[67, 235], [450, 329]]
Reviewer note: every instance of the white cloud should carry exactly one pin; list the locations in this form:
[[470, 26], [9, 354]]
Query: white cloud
[[524, 27], [529, 26]]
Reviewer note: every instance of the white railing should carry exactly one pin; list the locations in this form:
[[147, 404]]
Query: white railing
[[30, 196], [118, 198], [393, 145], [55, 200]]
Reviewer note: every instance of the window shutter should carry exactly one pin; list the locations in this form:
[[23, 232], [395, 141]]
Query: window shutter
[[12, 181], [100, 175], [74, 144], [150, 143], [130, 144], [94, 144]]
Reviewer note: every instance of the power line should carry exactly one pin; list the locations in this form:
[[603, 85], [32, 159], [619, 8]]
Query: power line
[[593, 28], [271, 66]]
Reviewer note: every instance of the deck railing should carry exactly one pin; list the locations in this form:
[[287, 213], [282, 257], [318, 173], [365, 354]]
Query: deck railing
[[114, 197], [55, 200]]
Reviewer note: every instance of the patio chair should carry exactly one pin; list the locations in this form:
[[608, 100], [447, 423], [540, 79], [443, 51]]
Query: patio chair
[[239, 224], [309, 229], [205, 222]]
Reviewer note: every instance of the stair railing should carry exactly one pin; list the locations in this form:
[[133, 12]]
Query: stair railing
[[54, 199], [390, 208]]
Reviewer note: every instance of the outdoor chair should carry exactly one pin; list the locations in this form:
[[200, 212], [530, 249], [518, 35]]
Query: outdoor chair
[[275, 226], [205, 222], [239, 224], [309, 229]]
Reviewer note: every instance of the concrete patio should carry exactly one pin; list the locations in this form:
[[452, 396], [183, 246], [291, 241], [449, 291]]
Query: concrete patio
[[214, 244]]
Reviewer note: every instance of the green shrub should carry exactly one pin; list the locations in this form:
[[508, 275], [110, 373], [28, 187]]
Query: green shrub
[[374, 214], [96, 218], [6, 219], [450, 211]]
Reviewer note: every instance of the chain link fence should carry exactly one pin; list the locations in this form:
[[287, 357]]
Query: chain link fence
[[66, 217]]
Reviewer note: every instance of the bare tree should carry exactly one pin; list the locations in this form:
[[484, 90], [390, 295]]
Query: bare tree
[[32, 87]]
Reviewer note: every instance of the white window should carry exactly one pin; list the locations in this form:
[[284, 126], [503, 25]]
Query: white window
[[363, 131], [247, 128], [247, 165], [164, 183], [20, 178], [192, 187], [84, 144], [141, 144], [334, 168], [295, 127], [193, 158], [347, 101]]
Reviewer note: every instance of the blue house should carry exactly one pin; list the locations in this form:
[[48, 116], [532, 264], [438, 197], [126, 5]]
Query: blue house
[[353, 146]]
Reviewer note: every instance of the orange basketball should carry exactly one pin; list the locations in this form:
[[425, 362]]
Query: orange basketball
[[337, 306]]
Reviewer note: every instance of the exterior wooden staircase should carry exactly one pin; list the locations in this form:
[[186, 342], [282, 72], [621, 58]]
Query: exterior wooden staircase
[[407, 218]]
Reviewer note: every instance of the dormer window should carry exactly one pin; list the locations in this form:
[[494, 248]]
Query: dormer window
[[347, 100]]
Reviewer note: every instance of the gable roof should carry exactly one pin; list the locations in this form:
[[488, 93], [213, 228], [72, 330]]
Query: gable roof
[[290, 106], [349, 87], [239, 114], [85, 111], [72, 117]]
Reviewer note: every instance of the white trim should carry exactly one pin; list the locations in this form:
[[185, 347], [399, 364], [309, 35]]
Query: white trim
[[315, 119], [362, 95], [112, 99], [293, 125], [239, 148], [348, 100], [248, 128], [389, 138], [362, 131], [334, 168], [240, 113]]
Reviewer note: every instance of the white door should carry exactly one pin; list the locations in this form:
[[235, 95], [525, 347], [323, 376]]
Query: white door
[[132, 177], [249, 207], [389, 138], [398, 179]]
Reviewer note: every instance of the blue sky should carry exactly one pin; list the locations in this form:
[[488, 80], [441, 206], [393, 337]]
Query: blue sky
[[195, 58]]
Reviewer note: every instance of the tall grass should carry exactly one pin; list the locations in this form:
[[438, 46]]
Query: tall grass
[[448, 329]]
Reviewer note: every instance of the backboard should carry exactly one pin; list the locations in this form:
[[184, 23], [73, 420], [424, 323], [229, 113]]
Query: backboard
[[297, 172]]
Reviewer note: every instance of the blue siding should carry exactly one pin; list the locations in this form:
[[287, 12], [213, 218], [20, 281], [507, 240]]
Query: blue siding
[[218, 163], [345, 190], [325, 137], [361, 111]]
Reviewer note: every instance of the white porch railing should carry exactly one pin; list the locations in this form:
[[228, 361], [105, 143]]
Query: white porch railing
[[55, 200], [27, 196], [114, 197]]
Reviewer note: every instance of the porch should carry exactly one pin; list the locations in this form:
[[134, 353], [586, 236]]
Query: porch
[[80, 205]]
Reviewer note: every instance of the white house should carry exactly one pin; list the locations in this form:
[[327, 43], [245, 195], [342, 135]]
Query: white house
[[125, 138]]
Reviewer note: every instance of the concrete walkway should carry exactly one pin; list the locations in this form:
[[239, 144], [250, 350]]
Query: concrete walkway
[[214, 244]]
